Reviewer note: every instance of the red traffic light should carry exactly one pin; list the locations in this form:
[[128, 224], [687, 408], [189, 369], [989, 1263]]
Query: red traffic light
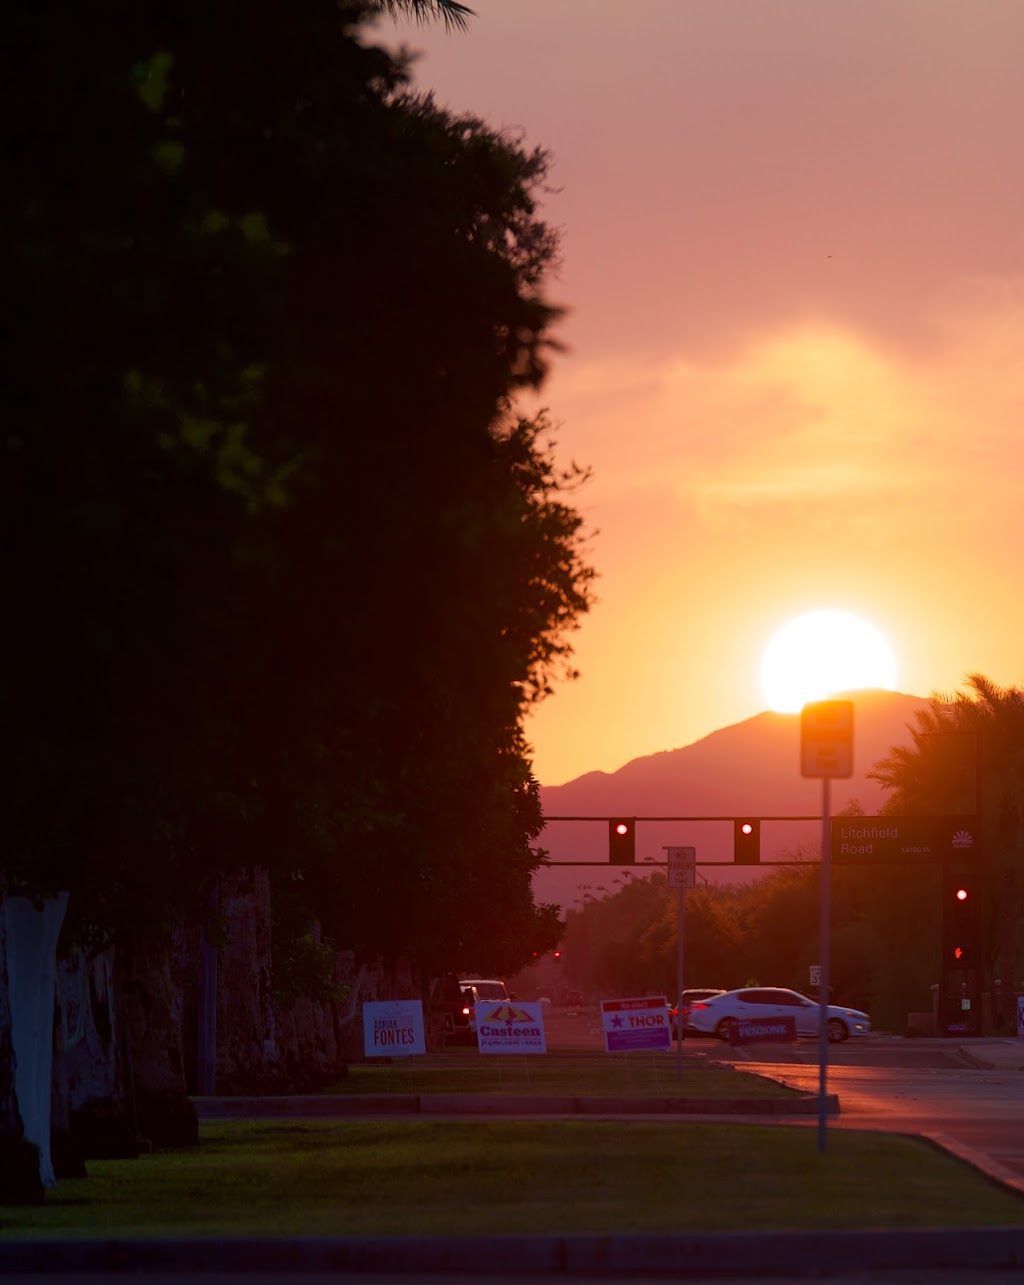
[[556, 954], [746, 841], [961, 894], [622, 840]]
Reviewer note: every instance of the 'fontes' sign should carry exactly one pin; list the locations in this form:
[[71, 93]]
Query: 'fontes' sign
[[393, 1028]]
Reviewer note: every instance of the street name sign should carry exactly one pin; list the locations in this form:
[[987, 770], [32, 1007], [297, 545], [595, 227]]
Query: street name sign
[[826, 740], [897, 840]]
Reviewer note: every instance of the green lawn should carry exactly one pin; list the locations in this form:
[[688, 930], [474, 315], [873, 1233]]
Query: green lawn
[[642, 1074], [423, 1177]]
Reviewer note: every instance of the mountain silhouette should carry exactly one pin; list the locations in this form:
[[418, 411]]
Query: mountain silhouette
[[750, 769]]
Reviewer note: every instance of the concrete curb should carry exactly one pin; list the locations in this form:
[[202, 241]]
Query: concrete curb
[[313, 1106], [721, 1253]]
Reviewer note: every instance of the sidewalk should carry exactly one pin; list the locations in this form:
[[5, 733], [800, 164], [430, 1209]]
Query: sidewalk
[[995, 1053], [491, 1104]]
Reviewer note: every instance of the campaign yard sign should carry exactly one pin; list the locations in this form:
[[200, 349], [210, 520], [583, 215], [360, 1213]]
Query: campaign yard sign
[[635, 1024], [763, 1030], [393, 1028], [510, 1028]]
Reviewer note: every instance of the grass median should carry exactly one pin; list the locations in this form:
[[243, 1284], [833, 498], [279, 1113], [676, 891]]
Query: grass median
[[597, 1074], [458, 1178]]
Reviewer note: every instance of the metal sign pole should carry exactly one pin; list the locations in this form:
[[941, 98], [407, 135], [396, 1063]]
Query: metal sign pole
[[826, 751], [825, 932], [681, 899]]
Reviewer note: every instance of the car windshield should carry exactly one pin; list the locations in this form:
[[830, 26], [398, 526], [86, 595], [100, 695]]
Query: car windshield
[[491, 990]]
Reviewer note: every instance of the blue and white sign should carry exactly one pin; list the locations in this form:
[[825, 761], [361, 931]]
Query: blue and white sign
[[393, 1028], [635, 1024]]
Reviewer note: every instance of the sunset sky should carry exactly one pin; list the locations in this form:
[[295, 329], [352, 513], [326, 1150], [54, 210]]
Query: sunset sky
[[793, 259]]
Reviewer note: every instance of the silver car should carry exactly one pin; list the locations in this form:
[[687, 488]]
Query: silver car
[[716, 1015]]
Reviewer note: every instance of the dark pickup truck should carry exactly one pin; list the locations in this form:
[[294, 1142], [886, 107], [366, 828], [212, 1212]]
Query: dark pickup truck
[[460, 998]]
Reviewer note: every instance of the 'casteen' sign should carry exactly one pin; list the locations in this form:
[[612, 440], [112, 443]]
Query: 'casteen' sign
[[510, 1028], [894, 840], [393, 1028]]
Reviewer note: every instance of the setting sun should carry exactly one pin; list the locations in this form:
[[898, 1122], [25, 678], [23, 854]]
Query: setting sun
[[821, 654]]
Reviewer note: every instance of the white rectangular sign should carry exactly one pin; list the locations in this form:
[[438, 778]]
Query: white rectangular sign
[[393, 1028], [516, 1027], [682, 867], [635, 1023]]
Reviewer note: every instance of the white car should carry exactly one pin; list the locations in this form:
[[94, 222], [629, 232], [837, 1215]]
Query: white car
[[716, 1014]]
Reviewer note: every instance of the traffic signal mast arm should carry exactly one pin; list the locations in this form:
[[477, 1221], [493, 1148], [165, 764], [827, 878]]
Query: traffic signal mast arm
[[622, 839]]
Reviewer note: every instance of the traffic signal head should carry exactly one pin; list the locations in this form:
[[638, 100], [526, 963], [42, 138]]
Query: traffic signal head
[[960, 918], [746, 841], [622, 841]]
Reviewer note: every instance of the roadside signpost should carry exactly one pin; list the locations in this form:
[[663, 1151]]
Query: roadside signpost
[[826, 752], [682, 874]]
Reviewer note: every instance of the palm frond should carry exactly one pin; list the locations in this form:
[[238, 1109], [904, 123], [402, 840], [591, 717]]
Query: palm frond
[[453, 15]]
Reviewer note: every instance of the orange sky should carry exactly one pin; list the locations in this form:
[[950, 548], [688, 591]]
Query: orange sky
[[793, 255]]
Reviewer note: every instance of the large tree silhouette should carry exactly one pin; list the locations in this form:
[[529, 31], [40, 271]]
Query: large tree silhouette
[[286, 568]]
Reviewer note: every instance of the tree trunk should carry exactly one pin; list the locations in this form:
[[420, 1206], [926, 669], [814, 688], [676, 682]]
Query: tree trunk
[[20, 1181], [150, 1011], [91, 1065], [32, 980], [248, 1040]]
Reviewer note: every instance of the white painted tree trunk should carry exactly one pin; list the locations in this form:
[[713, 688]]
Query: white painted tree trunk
[[32, 980]]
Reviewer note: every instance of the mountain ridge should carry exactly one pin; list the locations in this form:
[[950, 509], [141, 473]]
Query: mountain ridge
[[747, 769]]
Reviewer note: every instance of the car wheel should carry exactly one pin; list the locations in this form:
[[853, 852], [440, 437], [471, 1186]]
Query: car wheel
[[724, 1028], [837, 1031]]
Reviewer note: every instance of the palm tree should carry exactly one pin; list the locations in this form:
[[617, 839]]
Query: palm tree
[[968, 756], [453, 14]]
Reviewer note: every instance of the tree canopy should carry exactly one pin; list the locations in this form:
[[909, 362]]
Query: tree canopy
[[288, 569]]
